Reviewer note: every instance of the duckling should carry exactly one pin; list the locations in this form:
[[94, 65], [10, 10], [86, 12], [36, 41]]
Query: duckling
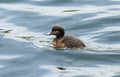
[[65, 41]]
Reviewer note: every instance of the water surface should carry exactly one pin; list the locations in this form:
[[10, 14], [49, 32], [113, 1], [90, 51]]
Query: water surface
[[26, 51]]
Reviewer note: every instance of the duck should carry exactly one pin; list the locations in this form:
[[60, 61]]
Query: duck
[[61, 40]]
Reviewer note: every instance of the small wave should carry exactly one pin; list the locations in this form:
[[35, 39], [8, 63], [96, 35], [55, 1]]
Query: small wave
[[6, 57], [11, 31], [37, 0], [1, 66], [89, 41], [102, 47], [65, 11], [114, 0], [108, 29], [99, 71]]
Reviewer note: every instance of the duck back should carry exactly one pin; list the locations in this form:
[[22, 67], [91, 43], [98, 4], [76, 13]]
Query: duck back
[[68, 41]]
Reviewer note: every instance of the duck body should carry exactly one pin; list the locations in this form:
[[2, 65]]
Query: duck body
[[68, 41], [65, 41]]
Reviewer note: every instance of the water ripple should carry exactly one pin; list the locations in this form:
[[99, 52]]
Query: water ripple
[[12, 31], [100, 71], [61, 11], [7, 57]]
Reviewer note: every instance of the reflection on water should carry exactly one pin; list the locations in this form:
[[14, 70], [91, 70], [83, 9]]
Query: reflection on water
[[70, 10], [6, 31], [100, 71], [5, 57], [26, 50]]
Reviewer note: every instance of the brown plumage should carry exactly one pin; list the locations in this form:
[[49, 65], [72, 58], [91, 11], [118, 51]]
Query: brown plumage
[[65, 41]]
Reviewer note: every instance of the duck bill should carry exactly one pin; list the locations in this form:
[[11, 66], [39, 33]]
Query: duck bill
[[53, 33], [50, 33]]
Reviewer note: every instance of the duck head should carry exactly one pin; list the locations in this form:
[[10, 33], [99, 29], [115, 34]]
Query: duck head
[[58, 31]]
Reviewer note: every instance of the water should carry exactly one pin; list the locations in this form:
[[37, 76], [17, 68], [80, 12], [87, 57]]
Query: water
[[26, 51]]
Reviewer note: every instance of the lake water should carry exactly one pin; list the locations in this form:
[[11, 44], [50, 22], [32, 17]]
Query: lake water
[[26, 51]]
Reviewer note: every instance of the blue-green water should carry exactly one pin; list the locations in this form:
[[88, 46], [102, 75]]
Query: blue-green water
[[26, 51]]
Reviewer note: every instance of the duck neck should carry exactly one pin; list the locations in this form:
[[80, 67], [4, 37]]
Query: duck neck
[[59, 36]]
